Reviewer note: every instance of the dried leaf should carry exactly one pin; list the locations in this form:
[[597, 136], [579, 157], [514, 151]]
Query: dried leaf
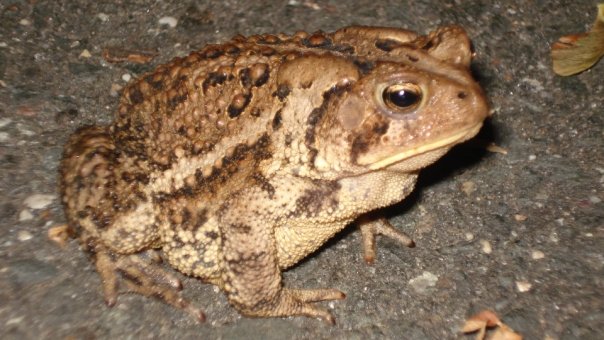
[[473, 325], [576, 53], [503, 332], [485, 318]]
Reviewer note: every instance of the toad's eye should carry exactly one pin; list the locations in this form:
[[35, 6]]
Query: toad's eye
[[402, 98]]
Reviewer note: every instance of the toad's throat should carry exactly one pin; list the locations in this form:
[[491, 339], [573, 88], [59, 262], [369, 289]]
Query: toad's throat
[[448, 141]]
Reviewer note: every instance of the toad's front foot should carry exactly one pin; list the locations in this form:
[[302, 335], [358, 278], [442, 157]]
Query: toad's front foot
[[380, 226], [140, 274]]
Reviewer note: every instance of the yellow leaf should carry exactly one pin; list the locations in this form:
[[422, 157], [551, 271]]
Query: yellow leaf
[[576, 53]]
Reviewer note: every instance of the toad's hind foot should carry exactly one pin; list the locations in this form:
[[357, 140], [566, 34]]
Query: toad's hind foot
[[291, 302], [136, 273]]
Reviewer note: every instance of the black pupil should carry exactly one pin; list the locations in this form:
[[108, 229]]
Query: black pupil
[[402, 98]]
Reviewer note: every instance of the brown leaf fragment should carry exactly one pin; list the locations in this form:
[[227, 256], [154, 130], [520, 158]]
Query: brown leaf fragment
[[576, 53], [59, 234], [488, 319], [116, 55]]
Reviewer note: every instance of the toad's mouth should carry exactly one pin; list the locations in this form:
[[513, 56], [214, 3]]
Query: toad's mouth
[[445, 142]]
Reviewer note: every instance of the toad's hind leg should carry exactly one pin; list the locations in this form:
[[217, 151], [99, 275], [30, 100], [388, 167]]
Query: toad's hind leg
[[109, 211], [140, 274], [251, 273]]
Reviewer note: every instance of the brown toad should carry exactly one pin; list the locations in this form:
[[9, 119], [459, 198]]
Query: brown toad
[[243, 158]]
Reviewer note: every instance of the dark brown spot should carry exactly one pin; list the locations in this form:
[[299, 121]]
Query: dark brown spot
[[135, 95], [264, 184], [255, 112], [412, 58], [175, 98], [213, 52], [240, 228], [82, 214], [387, 45], [364, 66], [213, 79], [267, 51], [232, 50], [126, 276], [244, 76], [428, 45], [317, 114], [212, 235], [322, 196], [156, 81], [238, 104], [282, 92], [381, 128], [259, 74], [277, 120], [341, 48], [256, 75], [462, 95], [288, 139], [359, 146], [193, 223]]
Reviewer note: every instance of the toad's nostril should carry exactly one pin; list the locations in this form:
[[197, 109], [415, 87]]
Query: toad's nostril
[[461, 95]]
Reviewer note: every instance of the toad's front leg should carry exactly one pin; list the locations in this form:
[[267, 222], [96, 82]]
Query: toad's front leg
[[251, 273], [370, 227]]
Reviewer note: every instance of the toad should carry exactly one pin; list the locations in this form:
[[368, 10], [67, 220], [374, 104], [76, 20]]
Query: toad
[[243, 158]]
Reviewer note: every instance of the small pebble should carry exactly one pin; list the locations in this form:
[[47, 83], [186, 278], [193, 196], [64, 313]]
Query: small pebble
[[486, 246], [115, 90], [468, 187], [25, 215], [594, 199], [3, 44], [126, 77], [469, 236], [5, 121], [24, 22], [14, 321], [4, 137], [103, 17], [24, 235], [523, 286], [421, 283], [39, 201], [170, 21], [537, 255], [520, 218], [85, 54], [532, 157]]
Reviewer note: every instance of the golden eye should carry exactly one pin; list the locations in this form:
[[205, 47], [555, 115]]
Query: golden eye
[[402, 97]]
